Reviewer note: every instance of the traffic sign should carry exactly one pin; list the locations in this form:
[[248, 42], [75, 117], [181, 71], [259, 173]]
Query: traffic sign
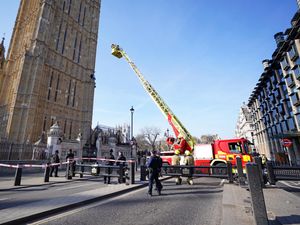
[[287, 142]]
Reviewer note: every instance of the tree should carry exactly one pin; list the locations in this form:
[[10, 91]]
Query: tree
[[209, 138], [147, 139]]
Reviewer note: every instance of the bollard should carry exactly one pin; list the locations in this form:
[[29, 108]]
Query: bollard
[[143, 172], [121, 173], [69, 172], [271, 175], [131, 172], [229, 172], [18, 175], [47, 172], [258, 161], [82, 170], [241, 176], [257, 195]]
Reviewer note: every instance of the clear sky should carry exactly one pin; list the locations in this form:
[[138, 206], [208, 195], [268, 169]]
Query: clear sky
[[202, 56]]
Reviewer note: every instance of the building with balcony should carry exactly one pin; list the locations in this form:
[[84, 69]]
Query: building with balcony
[[275, 101]]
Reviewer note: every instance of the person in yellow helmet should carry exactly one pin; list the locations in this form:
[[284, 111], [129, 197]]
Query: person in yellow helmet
[[189, 161], [176, 162]]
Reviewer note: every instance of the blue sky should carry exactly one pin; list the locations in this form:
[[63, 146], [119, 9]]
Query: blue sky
[[202, 56]]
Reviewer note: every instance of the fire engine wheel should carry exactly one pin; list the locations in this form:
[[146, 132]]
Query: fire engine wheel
[[220, 171]]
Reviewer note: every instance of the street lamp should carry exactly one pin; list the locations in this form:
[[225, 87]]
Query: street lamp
[[131, 130]]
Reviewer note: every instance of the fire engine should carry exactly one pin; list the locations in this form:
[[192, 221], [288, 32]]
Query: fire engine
[[216, 154]]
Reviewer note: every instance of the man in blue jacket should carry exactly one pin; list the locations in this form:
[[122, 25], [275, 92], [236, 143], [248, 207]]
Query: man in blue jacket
[[154, 167]]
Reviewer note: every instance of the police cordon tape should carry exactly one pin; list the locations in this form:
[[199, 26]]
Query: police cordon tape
[[57, 164]]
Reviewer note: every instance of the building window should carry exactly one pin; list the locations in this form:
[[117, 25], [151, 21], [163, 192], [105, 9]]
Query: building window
[[65, 126], [74, 94], [70, 131], [75, 45], [57, 87], [293, 53], [290, 80], [291, 124], [45, 123], [297, 72], [295, 99], [69, 9], [58, 36], [79, 51], [83, 20], [284, 64], [69, 92], [78, 18], [50, 86], [64, 41]]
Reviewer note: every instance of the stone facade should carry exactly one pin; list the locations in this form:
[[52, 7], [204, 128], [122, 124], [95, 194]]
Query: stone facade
[[48, 75], [244, 126]]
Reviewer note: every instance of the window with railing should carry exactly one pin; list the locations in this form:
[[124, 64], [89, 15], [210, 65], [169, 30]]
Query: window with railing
[[284, 63], [290, 80], [295, 99], [296, 71], [293, 53], [291, 124]]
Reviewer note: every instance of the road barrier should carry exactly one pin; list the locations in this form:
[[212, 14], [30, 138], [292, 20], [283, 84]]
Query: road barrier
[[194, 171], [125, 171]]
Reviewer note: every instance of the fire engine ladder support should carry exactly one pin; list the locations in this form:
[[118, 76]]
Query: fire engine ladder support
[[170, 116]]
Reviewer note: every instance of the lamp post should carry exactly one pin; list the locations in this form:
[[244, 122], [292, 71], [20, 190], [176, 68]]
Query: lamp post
[[131, 130]]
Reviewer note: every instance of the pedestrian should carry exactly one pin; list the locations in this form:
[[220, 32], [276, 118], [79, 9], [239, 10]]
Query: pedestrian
[[121, 160], [189, 161], [54, 168], [109, 162], [72, 163], [176, 162], [154, 167], [255, 153]]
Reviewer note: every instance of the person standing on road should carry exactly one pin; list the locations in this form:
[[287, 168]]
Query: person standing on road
[[70, 158], [121, 158], [154, 167], [109, 162], [176, 162], [189, 161], [54, 168]]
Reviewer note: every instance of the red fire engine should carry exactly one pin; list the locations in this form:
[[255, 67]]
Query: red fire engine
[[215, 154]]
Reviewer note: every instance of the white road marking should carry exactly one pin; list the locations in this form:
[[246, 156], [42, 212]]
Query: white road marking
[[3, 199], [289, 185]]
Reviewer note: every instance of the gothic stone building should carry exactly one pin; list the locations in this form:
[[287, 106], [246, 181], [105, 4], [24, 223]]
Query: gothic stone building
[[48, 75]]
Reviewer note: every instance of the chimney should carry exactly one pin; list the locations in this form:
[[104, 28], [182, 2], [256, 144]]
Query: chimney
[[266, 64], [279, 37]]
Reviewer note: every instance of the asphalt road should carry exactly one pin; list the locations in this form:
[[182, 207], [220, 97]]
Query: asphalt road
[[184, 204], [290, 186]]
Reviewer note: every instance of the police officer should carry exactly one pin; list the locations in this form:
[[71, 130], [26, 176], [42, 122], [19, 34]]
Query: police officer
[[72, 165], [176, 162], [189, 161], [109, 162], [154, 167]]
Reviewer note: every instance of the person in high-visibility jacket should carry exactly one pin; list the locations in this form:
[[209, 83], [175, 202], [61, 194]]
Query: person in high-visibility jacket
[[189, 161], [176, 162], [181, 145]]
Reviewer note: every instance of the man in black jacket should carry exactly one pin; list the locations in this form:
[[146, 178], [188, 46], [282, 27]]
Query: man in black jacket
[[54, 168], [109, 162], [154, 167]]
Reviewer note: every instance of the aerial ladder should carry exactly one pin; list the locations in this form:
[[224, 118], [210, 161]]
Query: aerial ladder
[[177, 126]]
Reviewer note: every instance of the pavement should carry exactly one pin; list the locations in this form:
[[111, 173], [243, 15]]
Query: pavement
[[282, 207]]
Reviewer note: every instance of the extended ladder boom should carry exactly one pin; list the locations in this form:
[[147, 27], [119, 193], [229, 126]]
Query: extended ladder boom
[[170, 116]]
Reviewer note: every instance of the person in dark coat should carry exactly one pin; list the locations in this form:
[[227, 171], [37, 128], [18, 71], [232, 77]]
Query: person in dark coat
[[70, 157], [121, 158], [54, 168], [154, 167], [109, 162]]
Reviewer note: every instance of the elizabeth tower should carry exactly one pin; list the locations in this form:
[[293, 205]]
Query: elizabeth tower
[[48, 75]]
